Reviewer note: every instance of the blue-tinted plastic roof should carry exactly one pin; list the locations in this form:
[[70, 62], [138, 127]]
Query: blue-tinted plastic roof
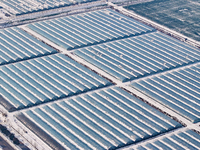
[[179, 90], [104, 119], [139, 56], [17, 45], [39, 80], [20, 7], [89, 28], [183, 140]]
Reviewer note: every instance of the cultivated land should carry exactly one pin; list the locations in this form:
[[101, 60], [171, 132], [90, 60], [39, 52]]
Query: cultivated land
[[180, 15]]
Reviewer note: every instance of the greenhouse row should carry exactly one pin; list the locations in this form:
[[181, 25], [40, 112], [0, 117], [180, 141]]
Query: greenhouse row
[[21, 7], [178, 90], [17, 45], [136, 57], [106, 119], [98, 80], [89, 28], [45, 79]]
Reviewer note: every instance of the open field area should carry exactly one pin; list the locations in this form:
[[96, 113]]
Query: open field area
[[182, 16]]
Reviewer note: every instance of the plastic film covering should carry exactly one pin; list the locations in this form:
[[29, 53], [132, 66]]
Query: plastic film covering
[[187, 139], [89, 28], [39, 132], [176, 89], [17, 45], [6, 104], [48, 78], [139, 56], [106, 119], [21, 7]]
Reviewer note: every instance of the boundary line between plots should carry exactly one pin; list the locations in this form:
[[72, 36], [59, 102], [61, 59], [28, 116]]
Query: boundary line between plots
[[50, 14], [155, 25], [115, 81]]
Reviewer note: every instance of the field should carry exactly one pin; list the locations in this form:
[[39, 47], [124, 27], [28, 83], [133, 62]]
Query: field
[[98, 79], [180, 15]]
